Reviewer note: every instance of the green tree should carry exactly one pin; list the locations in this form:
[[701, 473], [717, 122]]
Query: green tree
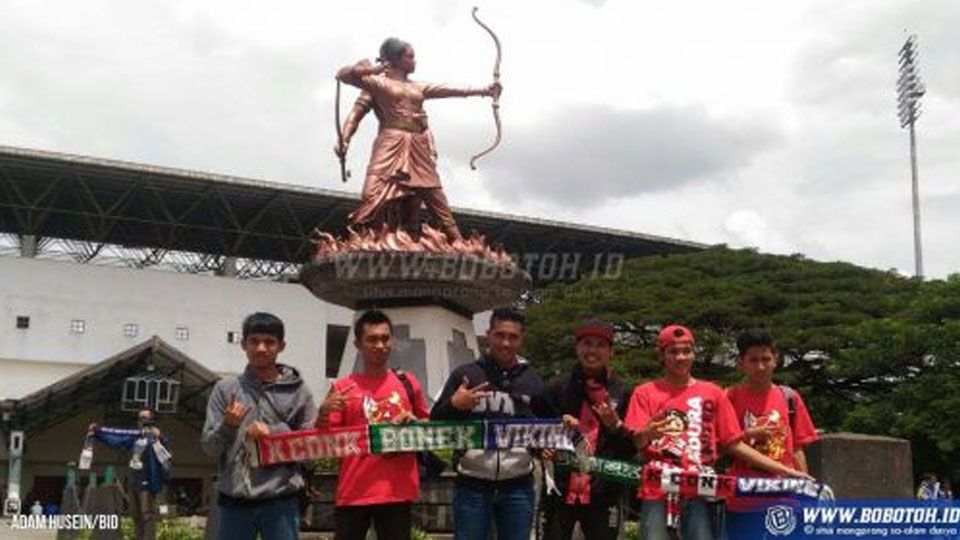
[[863, 346]]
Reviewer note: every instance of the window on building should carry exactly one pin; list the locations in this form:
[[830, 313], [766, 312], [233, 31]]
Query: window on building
[[23, 322], [233, 337], [182, 333], [78, 326], [131, 329], [337, 336], [158, 393]]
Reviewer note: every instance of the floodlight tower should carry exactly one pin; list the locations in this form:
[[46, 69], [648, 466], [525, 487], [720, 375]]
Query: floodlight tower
[[909, 91]]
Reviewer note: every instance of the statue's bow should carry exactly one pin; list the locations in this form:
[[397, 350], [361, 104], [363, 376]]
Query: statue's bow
[[496, 98]]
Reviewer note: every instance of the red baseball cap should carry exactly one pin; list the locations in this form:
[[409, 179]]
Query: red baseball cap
[[594, 327], [674, 333]]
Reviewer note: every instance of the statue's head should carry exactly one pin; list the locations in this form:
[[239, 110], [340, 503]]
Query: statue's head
[[399, 54]]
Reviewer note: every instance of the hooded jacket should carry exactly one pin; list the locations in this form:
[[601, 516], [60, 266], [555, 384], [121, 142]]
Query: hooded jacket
[[284, 405], [514, 393], [566, 393]]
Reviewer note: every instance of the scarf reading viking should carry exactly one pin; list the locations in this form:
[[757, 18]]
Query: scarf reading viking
[[661, 479], [134, 440], [658, 480]]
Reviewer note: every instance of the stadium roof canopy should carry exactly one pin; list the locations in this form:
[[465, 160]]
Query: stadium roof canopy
[[101, 384], [108, 202]]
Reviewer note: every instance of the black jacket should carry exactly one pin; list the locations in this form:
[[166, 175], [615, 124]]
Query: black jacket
[[515, 393], [566, 394]]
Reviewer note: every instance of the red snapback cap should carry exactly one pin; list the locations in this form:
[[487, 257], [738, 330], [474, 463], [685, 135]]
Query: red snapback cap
[[673, 333]]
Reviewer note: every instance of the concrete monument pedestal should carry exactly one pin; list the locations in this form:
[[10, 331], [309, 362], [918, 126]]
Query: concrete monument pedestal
[[430, 297], [861, 466]]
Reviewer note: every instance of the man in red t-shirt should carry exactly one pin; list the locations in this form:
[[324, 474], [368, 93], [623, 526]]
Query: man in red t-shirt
[[374, 488], [683, 422], [775, 422]]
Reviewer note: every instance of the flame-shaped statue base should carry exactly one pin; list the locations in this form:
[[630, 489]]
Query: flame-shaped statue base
[[386, 268], [386, 240]]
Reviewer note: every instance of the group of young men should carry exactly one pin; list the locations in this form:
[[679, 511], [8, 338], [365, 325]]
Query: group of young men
[[676, 420]]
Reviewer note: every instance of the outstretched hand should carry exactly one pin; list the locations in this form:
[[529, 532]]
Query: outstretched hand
[[340, 149], [652, 430], [493, 90], [336, 400], [794, 473], [607, 414], [466, 398], [762, 433], [406, 417], [256, 430], [235, 412]]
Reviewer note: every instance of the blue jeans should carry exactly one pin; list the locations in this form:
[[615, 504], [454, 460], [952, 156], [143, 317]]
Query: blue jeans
[[696, 520], [277, 519], [475, 508]]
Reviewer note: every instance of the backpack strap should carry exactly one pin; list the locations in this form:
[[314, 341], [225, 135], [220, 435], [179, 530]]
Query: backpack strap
[[407, 385], [791, 396], [261, 398]]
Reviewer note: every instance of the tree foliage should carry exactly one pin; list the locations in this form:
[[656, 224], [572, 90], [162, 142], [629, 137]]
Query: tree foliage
[[870, 350]]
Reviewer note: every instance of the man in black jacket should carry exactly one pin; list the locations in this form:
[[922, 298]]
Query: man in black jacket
[[494, 485], [592, 398]]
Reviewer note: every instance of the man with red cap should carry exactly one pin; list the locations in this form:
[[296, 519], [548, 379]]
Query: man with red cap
[[594, 400], [680, 421]]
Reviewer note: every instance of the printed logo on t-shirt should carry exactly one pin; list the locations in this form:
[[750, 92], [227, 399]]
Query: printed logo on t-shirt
[[773, 445], [384, 410], [497, 402], [688, 438], [696, 442], [671, 443]]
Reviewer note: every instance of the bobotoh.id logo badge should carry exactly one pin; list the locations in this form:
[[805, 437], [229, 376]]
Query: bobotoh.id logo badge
[[780, 520]]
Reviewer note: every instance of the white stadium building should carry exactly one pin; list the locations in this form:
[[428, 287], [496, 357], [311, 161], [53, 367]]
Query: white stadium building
[[123, 285]]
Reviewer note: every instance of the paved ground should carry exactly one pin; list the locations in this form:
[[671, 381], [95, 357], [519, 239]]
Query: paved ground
[[6, 533]]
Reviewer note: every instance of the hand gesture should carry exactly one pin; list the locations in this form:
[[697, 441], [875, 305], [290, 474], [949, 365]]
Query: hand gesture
[[570, 421], [335, 400], [653, 429], [406, 417], [762, 433], [794, 473], [466, 398], [235, 412], [607, 414], [256, 430], [340, 149], [365, 67]]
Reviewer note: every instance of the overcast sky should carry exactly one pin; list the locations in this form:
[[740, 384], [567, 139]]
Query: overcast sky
[[751, 123]]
